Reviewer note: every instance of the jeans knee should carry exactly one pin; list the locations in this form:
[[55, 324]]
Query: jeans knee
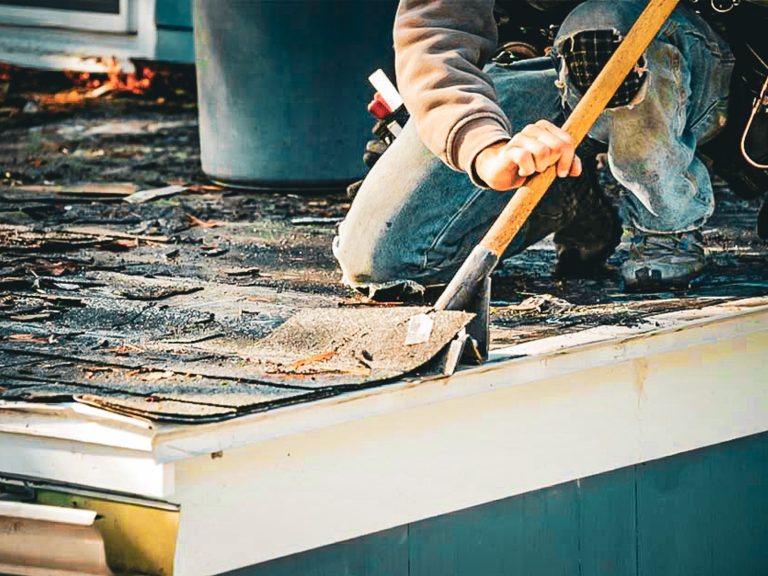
[[587, 39], [584, 55], [355, 261], [600, 15], [373, 266]]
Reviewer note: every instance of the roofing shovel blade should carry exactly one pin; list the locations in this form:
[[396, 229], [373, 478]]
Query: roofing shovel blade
[[362, 346], [355, 346]]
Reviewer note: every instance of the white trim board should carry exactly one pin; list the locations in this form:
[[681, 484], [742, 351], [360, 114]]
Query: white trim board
[[76, 422], [524, 425], [99, 467], [123, 21], [80, 50]]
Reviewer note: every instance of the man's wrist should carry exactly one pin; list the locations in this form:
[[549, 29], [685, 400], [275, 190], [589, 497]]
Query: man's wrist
[[472, 135], [487, 154]]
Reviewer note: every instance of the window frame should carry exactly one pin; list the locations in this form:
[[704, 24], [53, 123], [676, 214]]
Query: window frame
[[124, 22]]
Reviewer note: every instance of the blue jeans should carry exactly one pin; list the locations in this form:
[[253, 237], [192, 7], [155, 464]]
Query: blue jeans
[[652, 142], [414, 220]]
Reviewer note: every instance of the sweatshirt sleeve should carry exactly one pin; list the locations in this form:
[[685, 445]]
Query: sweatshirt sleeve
[[440, 46]]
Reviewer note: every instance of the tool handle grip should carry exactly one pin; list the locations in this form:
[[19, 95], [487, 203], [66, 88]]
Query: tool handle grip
[[586, 113]]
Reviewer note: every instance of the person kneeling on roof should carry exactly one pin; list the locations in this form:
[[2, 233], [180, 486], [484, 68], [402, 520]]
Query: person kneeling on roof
[[417, 217]]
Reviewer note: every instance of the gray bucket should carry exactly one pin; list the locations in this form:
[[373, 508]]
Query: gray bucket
[[282, 88]]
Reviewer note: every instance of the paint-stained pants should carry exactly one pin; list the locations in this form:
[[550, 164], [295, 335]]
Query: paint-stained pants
[[414, 220]]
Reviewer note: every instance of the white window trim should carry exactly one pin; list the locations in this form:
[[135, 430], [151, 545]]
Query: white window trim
[[57, 48], [124, 22]]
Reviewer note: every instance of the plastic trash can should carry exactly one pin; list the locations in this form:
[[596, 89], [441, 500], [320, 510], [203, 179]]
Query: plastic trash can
[[282, 88]]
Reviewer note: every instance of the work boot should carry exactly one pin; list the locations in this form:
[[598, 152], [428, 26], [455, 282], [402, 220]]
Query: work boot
[[584, 246], [663, 261], [592, 235], [586, 225]]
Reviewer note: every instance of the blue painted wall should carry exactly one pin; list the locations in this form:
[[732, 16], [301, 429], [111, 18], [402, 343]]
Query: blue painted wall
[[174, 14], [175, 40], [703, 513]]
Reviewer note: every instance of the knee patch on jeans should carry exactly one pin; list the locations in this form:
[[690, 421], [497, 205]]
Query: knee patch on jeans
[[585, 54]]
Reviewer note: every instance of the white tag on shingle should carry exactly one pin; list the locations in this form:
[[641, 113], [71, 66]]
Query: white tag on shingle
[[419, 329]]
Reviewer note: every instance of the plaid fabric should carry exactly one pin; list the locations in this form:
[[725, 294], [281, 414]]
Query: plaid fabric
[[588, 52]]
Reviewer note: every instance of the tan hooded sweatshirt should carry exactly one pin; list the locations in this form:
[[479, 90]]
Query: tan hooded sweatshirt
[[440, 46]]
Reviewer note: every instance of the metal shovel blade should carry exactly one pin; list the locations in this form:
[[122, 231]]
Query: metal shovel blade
[[350, 347]]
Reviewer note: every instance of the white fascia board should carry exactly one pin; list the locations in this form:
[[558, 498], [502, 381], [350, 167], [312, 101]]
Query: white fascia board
[[541, 360], [76, 422], [88, 465], [523, 426]]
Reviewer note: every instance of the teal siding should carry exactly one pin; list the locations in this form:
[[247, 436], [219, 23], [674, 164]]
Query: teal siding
[[175, 46], [703, 513], [536, 533], [706, 512], [381, 554], [608, 536], [175, 40], [174, 14]]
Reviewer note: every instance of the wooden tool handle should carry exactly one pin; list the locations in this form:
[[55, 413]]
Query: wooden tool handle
[[586, 113], [485, 256]]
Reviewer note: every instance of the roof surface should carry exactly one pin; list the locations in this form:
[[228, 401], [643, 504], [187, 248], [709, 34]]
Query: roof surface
[[151, 308]]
